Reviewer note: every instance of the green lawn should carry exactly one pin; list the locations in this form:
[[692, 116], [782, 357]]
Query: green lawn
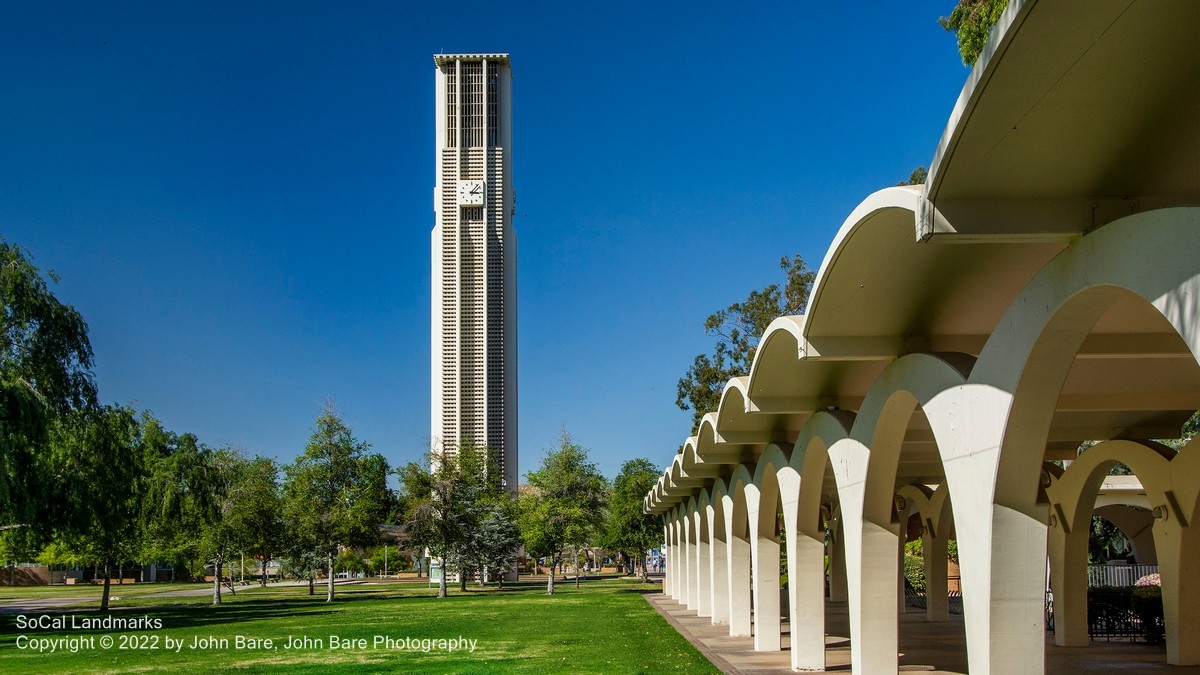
[[604, 627]]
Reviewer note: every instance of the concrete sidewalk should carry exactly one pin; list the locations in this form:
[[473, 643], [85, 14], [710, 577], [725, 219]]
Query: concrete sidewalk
[[924, 647]]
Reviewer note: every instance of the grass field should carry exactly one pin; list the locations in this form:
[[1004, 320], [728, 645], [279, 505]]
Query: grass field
[[604, 627]]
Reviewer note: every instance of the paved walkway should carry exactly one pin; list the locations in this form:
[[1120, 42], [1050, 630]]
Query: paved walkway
[[924, 647]]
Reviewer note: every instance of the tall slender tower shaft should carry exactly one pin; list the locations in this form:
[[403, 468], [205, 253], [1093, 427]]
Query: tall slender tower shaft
[[474, 346]]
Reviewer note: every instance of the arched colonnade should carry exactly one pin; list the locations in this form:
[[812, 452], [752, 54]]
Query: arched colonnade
[[960, 440]]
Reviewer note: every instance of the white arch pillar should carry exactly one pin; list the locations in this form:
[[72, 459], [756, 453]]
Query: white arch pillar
[[764, 557], [678, 560], [737, 554], [666, 549], [673, 556], [870, 556], [718, 564], [688, 560], [1002, 551], [839, 590], [806, 578], [1068, 553], [901, 597], [703, 572], [934, 553]]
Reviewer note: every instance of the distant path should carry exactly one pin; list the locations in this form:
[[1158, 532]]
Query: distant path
[[37, 605]]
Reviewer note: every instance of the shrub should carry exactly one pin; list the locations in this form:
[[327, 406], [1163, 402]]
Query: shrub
[[1147, 602], [914, 572]]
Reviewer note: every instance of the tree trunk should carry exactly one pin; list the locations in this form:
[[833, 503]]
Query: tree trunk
[[642, 569], [442, 580], [310, 583], [104, 596], [329, 598], [263, 581], [217, 582], [550, 578]]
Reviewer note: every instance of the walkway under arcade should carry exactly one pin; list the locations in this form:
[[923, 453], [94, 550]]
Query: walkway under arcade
[[962, 340]]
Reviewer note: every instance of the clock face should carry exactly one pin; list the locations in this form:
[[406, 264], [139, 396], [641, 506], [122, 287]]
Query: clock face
[[470, 193]]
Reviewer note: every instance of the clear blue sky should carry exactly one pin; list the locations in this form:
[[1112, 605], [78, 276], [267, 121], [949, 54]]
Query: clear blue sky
[[238, 196]]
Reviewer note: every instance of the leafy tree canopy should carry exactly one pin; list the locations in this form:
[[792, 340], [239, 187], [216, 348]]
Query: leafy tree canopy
[[565, 507], [45, 371], [629, 530], [737, 329], [972, 21], [335, 493]]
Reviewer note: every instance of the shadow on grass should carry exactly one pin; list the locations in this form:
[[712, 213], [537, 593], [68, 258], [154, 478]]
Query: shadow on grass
[[183, 616], [237, 610]]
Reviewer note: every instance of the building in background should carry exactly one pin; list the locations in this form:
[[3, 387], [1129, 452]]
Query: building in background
[[474, 319]]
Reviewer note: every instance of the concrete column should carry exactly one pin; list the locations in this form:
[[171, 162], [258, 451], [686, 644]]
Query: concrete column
[[677, 563], [666, 548], [937, 601], [704, 588], [687, 559], [838, 589], [764, 557], [718, 567], [703, 572], [738, 563], [1179, 566], [806, 595], [671, 583], [870, 560], [1068, 580], [739, 587], [806, 577], [1002, 550]]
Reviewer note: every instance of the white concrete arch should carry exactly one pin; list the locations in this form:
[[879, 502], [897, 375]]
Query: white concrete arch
[[888, 207], [1167, 477], [698, 574], [865, 466], [718, 552], [934, 509], [687, 553], [801, 484], [737, 528], [671, 582], [1021, 370], [910, 381], [781, 344], [763, 506], [1028, 355]]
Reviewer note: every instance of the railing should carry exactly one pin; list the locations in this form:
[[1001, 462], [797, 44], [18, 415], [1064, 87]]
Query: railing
[[1117, 575], [917, 599]]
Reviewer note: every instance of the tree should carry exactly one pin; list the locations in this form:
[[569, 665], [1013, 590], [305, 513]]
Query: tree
[[174, 495], [257, 511], [972, 21], [565, 506], [303, 564], [629, 530], [455, 507], [737, 329], [489, 547], [220, 481], [99, 471], [335, 493], [45, 372], [917, 177]]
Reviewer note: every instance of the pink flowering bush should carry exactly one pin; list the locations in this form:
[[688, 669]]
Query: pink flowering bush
[[1149, 580]]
